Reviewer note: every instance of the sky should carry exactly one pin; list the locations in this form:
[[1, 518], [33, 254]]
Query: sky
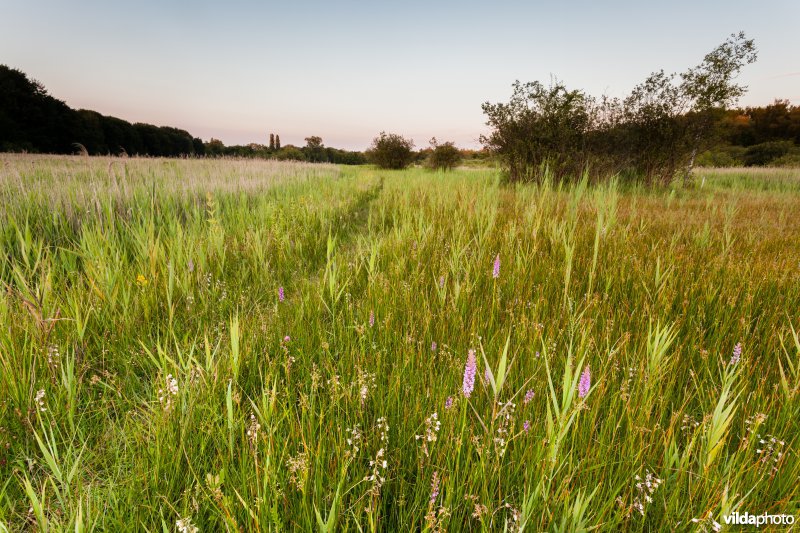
[[347, 70]]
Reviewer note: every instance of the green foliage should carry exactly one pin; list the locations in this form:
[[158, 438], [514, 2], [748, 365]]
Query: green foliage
[[790, 160], [779, 121], [214, 147], [539, 127], [290, 153], [765, 153], [653, 134], [314, 150], [443, 156], [722, 156], [391, 151], [32, 120], [153, 379]]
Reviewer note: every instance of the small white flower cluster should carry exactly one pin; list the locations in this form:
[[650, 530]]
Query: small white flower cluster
[[771, 452], [432, 427], [378, 466], [53, 356], [625, 388], [167, 395], [298, 470], [39, 399], [353, 441], [377, 475], [335, 388], [185, 525], [645, 489], [515, 524], [751, 424], [506, 417], [689, 423], [708, 523], [219, 286], [252, 430], [366, 381]]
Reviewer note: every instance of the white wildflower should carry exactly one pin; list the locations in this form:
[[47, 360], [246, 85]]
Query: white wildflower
[[185, 525], [167, 395], [39, 399]]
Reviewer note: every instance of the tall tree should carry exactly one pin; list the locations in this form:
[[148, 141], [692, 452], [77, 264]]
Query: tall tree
[[315, 150]]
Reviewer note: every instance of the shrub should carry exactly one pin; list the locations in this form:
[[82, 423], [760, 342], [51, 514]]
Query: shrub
[[654, 133], [792, 159], [443, 156], [722, 156], [539, 126], [765, 153], [390, 150]]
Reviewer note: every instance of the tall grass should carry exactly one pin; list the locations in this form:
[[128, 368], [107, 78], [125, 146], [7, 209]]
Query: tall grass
[[152, 378]]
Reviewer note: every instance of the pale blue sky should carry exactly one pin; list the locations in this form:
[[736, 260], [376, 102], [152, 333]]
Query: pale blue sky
[[347, 70]]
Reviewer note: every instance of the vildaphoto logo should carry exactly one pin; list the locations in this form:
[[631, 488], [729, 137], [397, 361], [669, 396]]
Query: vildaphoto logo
[[758, 520]]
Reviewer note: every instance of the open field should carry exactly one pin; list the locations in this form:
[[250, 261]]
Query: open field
[[257, 346]]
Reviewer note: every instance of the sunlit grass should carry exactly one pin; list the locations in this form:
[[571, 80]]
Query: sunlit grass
[[151, 378]]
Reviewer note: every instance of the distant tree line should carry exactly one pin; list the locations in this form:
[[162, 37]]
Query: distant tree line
[[757, 136], [314, 151], [658, 133], [31, 120]]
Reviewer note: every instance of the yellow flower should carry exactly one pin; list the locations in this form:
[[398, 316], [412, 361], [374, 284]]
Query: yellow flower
[[141, 281]]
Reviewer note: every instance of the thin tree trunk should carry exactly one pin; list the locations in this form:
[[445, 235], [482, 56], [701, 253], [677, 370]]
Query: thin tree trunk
[[688, 174]]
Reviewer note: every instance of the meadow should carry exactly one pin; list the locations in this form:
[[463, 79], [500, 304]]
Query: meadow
[[244, 345]]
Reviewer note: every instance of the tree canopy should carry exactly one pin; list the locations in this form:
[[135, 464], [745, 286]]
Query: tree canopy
[[391, 151], [654, 133]]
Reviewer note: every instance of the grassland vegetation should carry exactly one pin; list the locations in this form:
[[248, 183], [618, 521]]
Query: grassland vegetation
[[248, 345]]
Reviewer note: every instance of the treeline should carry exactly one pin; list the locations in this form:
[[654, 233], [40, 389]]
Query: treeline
[[757, 136], [33, 121], [314, 151]]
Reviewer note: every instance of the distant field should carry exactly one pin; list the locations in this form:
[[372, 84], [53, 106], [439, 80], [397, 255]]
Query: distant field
[[245, 345]]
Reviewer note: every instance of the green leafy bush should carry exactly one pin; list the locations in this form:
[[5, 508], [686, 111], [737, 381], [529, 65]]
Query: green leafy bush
[[390, 150]]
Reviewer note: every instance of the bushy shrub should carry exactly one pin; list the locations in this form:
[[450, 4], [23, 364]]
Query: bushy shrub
[[722, 156], [765, 153], [390, 150], [792, 159], [443, 156], [539, 126], [655, 133]]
